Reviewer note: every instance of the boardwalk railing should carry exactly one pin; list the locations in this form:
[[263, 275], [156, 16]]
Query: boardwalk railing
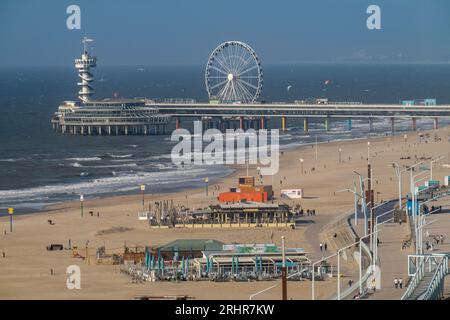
[[355, 286], [427, 264], [435, 290]]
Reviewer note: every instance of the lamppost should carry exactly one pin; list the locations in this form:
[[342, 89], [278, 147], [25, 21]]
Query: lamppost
[[422, 224], [399, 173], [413, 199], [283, 271], [360, 260], [364, 204], [143, 192], [431, 165], [340, 151], [11, 212], [81, 204], [301, 164], [405, 137], [313, 274], [372, 210], [339, 268], [375, 244], [206, 185], [356, 200], [368, 152]]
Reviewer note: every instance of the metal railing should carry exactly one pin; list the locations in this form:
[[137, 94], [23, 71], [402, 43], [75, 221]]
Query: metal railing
[[415, 280], [436, 288], [355, 286], [428, 264]]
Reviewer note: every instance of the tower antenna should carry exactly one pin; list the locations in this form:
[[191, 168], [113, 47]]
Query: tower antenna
[[85, 41]]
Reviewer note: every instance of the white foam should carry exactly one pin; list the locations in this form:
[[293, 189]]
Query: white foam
[[115, 184], [119, 156], [85, 159]]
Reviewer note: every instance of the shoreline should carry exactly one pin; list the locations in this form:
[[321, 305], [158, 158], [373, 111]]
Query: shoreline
[[218, 180]]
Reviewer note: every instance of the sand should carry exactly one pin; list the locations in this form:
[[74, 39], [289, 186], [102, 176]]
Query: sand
[[25, 271]]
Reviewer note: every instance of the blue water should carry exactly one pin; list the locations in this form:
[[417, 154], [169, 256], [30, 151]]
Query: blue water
[[39, 167]]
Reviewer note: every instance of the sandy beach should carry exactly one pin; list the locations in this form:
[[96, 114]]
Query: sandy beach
[[25, 269]]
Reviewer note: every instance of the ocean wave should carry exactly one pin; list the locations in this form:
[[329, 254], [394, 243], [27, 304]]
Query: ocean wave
[[79, 165], [76, 165], [85, 159], [113, 184], [11, 159], [119, 155]]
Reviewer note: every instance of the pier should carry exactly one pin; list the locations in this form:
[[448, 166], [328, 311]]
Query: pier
[[256, 115]]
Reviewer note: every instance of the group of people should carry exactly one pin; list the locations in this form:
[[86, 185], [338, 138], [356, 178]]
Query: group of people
[[398, 283], [323, 246], [309, 212], [436, 239]]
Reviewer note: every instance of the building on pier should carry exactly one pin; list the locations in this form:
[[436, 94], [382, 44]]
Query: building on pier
[[105, 117]]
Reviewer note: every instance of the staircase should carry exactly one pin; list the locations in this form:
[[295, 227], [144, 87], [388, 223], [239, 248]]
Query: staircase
[[422, 287], [428, 281]]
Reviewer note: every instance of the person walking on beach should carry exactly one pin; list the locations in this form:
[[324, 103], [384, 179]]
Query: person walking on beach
[[321, 246], [400, 283], [326, 246], [396, 283]]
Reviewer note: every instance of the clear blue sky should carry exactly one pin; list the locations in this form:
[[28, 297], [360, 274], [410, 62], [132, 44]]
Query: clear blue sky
[[158, 32]]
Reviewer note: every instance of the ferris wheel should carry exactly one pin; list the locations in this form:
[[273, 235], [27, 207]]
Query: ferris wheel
[[233, 73]]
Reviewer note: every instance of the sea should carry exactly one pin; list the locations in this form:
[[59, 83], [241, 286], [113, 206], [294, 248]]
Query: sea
[[39, 167]]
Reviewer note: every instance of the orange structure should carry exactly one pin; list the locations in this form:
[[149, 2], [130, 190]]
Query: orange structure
[[242, 196], [247, 191]]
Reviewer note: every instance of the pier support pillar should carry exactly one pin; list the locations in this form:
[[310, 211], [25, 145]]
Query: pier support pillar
[[126, 130], [263, 123], [283, 123], [177, 123], [145, 130], [89, 130], [241, 123], [370, 124], [256, 124], [117, 130], [305, 124], [349, 124], [109, 130], [82, 130], [326, 124], [392, 125], [436, 123], [414, 124], [99, 130]]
